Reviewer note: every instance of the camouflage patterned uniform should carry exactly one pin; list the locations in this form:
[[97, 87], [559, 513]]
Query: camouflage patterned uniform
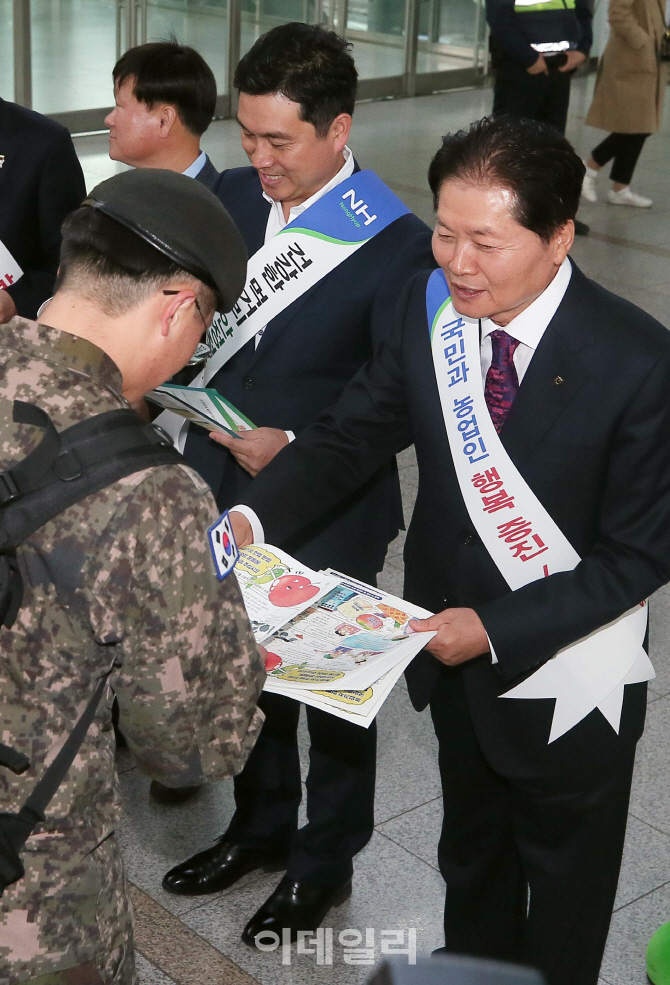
[[124, 574]]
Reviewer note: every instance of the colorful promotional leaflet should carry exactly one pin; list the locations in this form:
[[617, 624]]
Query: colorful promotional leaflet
[[298, 257], [360, 707], [10, 271], [346, 647], [346, 640], [523, 540], [276, 588], [205, 407]]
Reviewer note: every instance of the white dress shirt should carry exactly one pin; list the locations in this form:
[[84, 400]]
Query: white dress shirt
[[528, 327], [193, 170]]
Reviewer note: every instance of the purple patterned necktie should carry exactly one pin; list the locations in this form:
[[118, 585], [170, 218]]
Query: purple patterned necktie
[[502, 382]]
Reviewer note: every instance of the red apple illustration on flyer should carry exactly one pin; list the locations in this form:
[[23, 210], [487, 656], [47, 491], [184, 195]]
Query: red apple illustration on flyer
[[292, 590], [277, 588]]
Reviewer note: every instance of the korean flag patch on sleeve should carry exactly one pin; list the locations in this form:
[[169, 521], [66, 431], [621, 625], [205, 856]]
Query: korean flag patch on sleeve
[[223, 546]]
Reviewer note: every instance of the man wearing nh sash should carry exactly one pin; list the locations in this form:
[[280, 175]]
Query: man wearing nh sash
[[331, 248], [538, 404]]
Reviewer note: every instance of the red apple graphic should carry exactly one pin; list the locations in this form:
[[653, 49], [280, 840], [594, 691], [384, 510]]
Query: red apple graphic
[[292, 590], [272, 661]]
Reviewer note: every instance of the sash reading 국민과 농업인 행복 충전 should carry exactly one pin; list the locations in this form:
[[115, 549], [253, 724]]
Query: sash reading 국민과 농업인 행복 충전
[[294, 260], [523, 540]]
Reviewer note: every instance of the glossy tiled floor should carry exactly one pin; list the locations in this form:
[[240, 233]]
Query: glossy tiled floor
[[396, 884]]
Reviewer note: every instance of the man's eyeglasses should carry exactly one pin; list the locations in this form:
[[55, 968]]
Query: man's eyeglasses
[[198, 308]]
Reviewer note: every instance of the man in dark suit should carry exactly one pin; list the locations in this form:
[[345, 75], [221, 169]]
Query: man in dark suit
[[589, 432], [41, 182], [297, 91], [165, 95]]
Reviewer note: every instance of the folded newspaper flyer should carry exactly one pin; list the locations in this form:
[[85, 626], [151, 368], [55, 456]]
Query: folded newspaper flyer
[[332, 642], [203, 406]]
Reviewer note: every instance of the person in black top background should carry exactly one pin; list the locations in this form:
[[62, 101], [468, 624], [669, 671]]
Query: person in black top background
[[535, 50], [41, 182]]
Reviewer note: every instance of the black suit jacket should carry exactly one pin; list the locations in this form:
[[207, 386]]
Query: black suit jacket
[[596, 452], [208, 175], [304, 360], [41, 182]]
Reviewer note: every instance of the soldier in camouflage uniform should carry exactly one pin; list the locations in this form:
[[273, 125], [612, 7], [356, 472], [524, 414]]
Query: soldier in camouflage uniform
[[124, 576]]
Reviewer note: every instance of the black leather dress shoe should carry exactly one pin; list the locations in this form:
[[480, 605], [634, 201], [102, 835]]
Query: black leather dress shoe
[[219, 867], [172, 795], [297, 905], [581, 229]]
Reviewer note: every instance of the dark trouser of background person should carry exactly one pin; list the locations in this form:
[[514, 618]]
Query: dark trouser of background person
[[623, 149], [508, 854], [536, 97], [544, 97], [269, 790]]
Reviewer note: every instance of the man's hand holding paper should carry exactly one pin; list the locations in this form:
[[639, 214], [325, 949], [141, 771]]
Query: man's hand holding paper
[[257, 448], [242, 529], [7, 307], [460, 635]]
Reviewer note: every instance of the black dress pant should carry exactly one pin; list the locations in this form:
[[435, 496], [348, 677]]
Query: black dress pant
[[340, 791], [623, 149], [531, 865], [532, 97]]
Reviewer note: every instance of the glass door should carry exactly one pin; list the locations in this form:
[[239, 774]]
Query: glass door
[[378, 29], [451, 42], [57, 55], [73, 50], [75, 43], [259, 16], [203, 24]]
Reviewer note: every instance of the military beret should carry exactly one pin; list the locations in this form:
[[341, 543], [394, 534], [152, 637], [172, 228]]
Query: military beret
[[183, 220]]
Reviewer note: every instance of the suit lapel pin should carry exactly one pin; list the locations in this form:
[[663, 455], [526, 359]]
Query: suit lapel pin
[[559, 380], [2, 159]]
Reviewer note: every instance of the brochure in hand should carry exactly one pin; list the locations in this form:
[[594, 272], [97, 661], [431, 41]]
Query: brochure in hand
[[332, 642], [203, 406]]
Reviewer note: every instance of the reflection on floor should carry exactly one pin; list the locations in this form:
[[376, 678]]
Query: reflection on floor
[[396, 884]]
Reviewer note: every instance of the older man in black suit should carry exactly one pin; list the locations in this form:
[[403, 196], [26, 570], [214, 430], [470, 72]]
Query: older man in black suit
[[41, 182], [165, 97], [574, 413], [297, 91]]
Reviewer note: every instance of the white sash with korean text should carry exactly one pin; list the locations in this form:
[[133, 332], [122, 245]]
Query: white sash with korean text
[[298, 257], [523, 540]]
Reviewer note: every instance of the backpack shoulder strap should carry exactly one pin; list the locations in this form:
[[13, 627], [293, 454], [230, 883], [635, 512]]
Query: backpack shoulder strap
[[70, 465], [63, 469]]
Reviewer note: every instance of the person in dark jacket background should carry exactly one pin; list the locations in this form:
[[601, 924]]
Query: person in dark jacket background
[[536, 45], [41, 182]]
